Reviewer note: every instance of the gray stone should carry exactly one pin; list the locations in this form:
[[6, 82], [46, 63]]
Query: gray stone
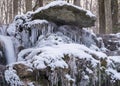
[[66, 15]]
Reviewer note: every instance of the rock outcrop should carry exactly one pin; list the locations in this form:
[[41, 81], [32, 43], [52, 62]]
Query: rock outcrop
[[111, 43], [65, 14], [62, 13], [53, 49]]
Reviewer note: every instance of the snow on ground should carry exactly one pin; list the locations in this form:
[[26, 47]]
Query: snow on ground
[[115, 75], [113, 67], [115, 58]]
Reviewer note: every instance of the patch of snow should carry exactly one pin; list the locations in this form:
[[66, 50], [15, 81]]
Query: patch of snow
[[69, 78], [12, 78], [30, 23], [89, 70], [53, 39], [53, 56], [90, 14], [114, 74], [11, 29], [31, 84], [115, 58]]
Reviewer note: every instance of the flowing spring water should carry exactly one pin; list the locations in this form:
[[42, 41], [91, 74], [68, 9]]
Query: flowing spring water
[[8, 48]]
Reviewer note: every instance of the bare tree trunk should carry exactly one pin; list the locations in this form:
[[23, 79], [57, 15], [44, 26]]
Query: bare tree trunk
[[101, 17], [87, 4], [91, 2], [28, 4], [5, 11], [108, 16], [1, 3], [10, 11], [114, 9], [38, 3], [77, 2], [15, 7]]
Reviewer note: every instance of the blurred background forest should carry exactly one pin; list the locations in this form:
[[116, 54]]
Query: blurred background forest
[[106, 11]]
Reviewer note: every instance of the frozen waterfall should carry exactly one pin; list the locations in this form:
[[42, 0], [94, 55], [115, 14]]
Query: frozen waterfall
[[8, 48]]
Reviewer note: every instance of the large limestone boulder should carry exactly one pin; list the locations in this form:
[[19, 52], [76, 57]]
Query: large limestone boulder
[[63, 13]]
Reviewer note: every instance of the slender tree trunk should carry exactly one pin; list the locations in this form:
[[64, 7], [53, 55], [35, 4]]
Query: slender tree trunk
[[114, 8], [10, 11], [87, 4], [108, 16], [77, 2], [28, 4], [91, 2], [1, 12], [15, 7], [38, 3], [5, 11], [101, 17]]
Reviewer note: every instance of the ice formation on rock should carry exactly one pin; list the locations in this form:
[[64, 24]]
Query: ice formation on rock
[[49, 53], [8, 49]]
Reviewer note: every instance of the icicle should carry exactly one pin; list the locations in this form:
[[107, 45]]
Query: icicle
[[84, 80], [34, 35], [99, 74], [73, 68], [25, 38], [53, 77], [75, 37], [49, 29], [43, 30]]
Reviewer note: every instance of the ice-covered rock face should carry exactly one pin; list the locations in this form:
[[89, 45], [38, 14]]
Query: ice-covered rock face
[[53, 49], [67, 19], [29, 34], [62, 64], [111, 43]]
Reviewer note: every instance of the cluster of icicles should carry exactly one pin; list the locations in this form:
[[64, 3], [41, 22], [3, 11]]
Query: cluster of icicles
[[28, 35]]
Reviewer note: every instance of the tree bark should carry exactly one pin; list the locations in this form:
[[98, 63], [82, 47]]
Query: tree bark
[[114, 8], [28, 4], [108, 16], [10, 11], [15, 7], [77, 2], [101, 17], [38, 3]]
